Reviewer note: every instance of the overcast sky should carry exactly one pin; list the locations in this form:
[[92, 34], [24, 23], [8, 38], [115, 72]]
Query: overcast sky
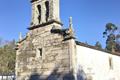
[[89, 17]]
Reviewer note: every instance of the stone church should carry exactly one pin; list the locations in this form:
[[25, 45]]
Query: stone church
[[50, 52]]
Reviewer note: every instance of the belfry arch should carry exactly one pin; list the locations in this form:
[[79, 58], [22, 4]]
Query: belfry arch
[[47, 10], [39, 13]]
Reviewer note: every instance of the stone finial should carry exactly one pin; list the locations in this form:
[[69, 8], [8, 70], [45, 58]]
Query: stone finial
[[20, 36], [70, 21], [71, 31]]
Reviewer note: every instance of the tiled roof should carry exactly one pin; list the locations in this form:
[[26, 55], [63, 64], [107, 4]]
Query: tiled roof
[[93, 47]]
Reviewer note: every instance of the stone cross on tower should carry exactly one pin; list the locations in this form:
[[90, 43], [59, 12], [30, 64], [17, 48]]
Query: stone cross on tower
[[45, 11]]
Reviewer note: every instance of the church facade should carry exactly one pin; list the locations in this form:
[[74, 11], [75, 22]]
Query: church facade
[[49, 52]]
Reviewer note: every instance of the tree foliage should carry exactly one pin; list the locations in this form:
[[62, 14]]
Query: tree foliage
[[98, 45], [112, 37], [7, 56]]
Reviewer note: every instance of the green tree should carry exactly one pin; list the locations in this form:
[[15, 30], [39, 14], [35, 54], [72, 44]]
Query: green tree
[[7, 57], [98, 45], [112, 35]]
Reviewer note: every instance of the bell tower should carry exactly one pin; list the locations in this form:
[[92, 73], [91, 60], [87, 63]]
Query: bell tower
[[39, 54], [44, 11]]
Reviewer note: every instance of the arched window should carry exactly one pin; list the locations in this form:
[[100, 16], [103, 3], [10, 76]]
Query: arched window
[[47, 10], [39, 15]]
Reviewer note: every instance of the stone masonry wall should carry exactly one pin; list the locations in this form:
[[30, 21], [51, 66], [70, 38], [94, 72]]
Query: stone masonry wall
[[54, 60]]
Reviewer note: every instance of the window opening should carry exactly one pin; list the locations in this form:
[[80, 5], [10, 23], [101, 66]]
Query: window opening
[[47, 10], [39, 10], [110, 63], [40, 51]]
